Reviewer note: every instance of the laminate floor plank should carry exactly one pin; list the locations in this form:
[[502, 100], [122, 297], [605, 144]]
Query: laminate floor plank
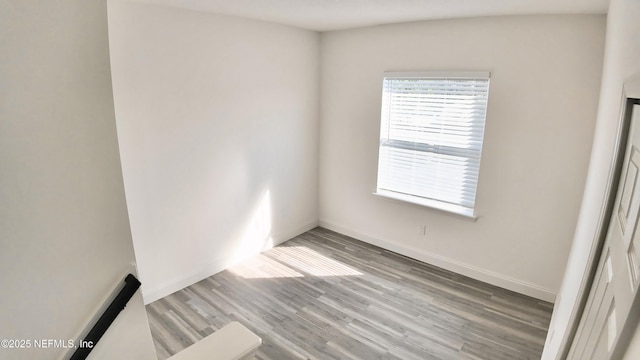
[[326, 296]]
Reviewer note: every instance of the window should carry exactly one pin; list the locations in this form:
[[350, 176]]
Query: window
[[431, 133]]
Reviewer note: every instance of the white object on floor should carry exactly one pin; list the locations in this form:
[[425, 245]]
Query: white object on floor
[[232, 342]]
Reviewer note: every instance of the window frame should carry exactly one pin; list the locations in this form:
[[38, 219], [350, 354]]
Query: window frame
[[448, 207]]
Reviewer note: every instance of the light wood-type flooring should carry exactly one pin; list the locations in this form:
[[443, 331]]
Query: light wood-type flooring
[[323, 295]]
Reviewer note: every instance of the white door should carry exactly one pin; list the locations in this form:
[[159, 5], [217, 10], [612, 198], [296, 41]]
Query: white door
[[617, 276]]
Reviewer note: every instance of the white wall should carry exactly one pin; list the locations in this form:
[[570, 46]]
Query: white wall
[[217, 120], [545, 76], [65, 242], [621, 60]]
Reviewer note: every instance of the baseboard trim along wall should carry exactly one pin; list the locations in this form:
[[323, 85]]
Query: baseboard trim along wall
[[173, 285], [471, 271]]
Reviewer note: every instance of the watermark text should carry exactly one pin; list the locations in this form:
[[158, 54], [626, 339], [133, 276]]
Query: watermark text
[[44, 344]]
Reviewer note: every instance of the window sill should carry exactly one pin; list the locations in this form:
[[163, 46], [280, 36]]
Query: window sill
[[465, 213]]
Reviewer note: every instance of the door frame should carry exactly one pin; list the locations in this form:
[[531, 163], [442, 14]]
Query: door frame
[[630, 97]]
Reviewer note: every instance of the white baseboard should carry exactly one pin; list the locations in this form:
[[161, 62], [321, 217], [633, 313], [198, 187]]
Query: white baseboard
[[173, 285], [281, 237], [216, 266], [458, 267]]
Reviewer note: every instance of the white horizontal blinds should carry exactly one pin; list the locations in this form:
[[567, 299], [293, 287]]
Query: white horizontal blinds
[[431, 136]]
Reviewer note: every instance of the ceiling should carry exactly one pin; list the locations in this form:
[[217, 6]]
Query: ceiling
[[326, 15]]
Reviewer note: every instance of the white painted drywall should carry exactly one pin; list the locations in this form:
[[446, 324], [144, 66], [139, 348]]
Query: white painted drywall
[[65, 243], [545, 77], [218, 127], [621, 60]]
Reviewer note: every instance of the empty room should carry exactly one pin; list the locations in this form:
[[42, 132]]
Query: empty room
[[278, 179]]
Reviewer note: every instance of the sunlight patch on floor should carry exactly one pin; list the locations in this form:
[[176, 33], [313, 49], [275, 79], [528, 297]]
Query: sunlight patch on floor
[[292, 261], [263, 267]]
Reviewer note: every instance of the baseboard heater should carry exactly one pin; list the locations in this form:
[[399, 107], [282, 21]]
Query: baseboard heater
[[131, 285]]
